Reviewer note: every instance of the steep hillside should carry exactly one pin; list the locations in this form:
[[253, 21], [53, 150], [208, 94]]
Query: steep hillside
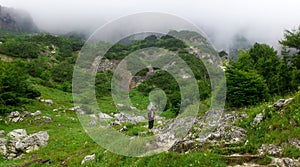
[[16, 20]]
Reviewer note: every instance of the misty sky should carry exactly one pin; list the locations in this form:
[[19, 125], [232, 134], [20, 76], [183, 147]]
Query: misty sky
[[258, 20]]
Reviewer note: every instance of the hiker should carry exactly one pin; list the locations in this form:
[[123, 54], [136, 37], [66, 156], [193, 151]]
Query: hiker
[[151, 115]]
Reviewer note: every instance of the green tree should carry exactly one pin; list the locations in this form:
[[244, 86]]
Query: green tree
[[245, 88], [14, 85], [291, 52]]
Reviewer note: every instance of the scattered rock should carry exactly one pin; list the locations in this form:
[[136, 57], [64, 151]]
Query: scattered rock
[[270, 149], [47, 119], [293, 141], [282, 102], [285, 162], [88, 158], [14, 117], [55, 110], [122, 117], [43, 119]]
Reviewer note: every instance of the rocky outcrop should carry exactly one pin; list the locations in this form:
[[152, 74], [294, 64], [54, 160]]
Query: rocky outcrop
[[17, 143], [215, 127], [278, 106], [282, 102]]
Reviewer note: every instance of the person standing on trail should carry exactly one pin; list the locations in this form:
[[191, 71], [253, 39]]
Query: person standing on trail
[[151, 115]]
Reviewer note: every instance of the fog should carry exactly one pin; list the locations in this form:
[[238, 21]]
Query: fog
[[257, 20]]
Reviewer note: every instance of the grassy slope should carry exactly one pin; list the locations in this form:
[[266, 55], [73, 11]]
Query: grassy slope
[[69, 143]]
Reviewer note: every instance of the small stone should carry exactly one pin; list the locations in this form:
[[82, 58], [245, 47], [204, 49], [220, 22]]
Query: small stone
[[88, 158], [47, 119], [123, 129], [104, 116], [27, 114], [38, 112]]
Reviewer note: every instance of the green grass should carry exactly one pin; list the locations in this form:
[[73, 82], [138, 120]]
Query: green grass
[[69, 144]]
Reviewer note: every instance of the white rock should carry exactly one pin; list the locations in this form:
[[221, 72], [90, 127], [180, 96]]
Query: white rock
[[74, 108], [15, 117], [282, 102], [257, 120], [93, 116], [88, 158], [104, 116], [33, 142], [38, 112], [17, 134], [47, 101]]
